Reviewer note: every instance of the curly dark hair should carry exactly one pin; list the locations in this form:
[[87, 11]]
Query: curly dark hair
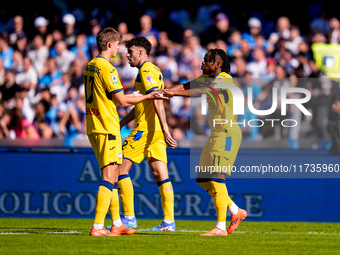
[[226, 64], [139, 41]]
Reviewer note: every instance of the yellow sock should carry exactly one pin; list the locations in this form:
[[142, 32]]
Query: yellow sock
[[103, 201], [230, 202], [221, 198], [167, 199], [114, 205], [205, 184], [126, 194]]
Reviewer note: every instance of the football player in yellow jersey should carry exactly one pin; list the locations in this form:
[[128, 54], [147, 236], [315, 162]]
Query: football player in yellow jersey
[[103, 92], [223, 144], [149, 137]]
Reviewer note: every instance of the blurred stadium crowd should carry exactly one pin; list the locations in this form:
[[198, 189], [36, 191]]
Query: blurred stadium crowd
[[42, 58]]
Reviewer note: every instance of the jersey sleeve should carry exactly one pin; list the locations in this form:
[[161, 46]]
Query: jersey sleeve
[[111, 82], [151, 80]]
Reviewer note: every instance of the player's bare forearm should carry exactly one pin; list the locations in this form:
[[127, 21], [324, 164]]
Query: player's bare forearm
[[125, 101], [177, 87], [184, 93], [128, 118], [159, 108], [185, 86]]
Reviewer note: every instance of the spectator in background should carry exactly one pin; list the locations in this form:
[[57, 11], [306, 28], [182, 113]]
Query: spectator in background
[[52, 77], [81, 50], [222, 45], [220, 31], [18, 30], [334, 32], [57, 36], [234, 43], [69, 34], [294, 40], [41, 109], [6, 53], [22, 127], [39, 55], [77, 73], [254, 25], [147, 30], [127, 74], [18, 62], [271, 66], [262, 43], [194, 46], [61, 90], [190, 61], [40, 24], [64, 57], [91, 38], [27, 79], [239, 67], [22, 102], [21, 45], [9, 88], [184, 111], [289, 62], [259, 66], [303, 62], [70, 125], [123, 29], [52, 112], [282, 30], [246, 52]]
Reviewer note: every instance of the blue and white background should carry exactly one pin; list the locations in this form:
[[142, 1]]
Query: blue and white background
[[41, 184]]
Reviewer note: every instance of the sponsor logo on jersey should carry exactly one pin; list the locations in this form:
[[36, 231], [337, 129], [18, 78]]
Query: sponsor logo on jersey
[[90, 111], [93, 69]]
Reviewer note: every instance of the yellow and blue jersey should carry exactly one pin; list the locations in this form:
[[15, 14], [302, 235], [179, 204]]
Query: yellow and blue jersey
[[101, 81], [221, 107], [149, 78]]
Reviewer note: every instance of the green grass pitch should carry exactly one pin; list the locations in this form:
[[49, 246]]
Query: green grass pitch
[[71, 236]]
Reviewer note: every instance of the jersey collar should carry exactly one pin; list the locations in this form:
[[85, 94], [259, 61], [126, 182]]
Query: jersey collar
[[142, 64], [101, 57], [217, 75]]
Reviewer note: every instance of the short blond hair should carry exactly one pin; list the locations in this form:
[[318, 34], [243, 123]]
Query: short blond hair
[[106, 35]]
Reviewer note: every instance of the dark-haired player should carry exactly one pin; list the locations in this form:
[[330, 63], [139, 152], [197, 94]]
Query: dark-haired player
[[148, 138], [223, 144]]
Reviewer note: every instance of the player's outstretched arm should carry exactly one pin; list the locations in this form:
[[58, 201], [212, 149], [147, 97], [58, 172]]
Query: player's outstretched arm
[[125, 101], [188, 85], [184, 93], [159, 107], [128, 118]]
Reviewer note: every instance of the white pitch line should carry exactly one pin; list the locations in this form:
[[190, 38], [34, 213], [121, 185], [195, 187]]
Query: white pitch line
[[182, 230], [28, 233]]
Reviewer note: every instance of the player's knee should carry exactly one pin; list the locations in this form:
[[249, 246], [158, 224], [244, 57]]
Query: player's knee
[[155, 174]]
